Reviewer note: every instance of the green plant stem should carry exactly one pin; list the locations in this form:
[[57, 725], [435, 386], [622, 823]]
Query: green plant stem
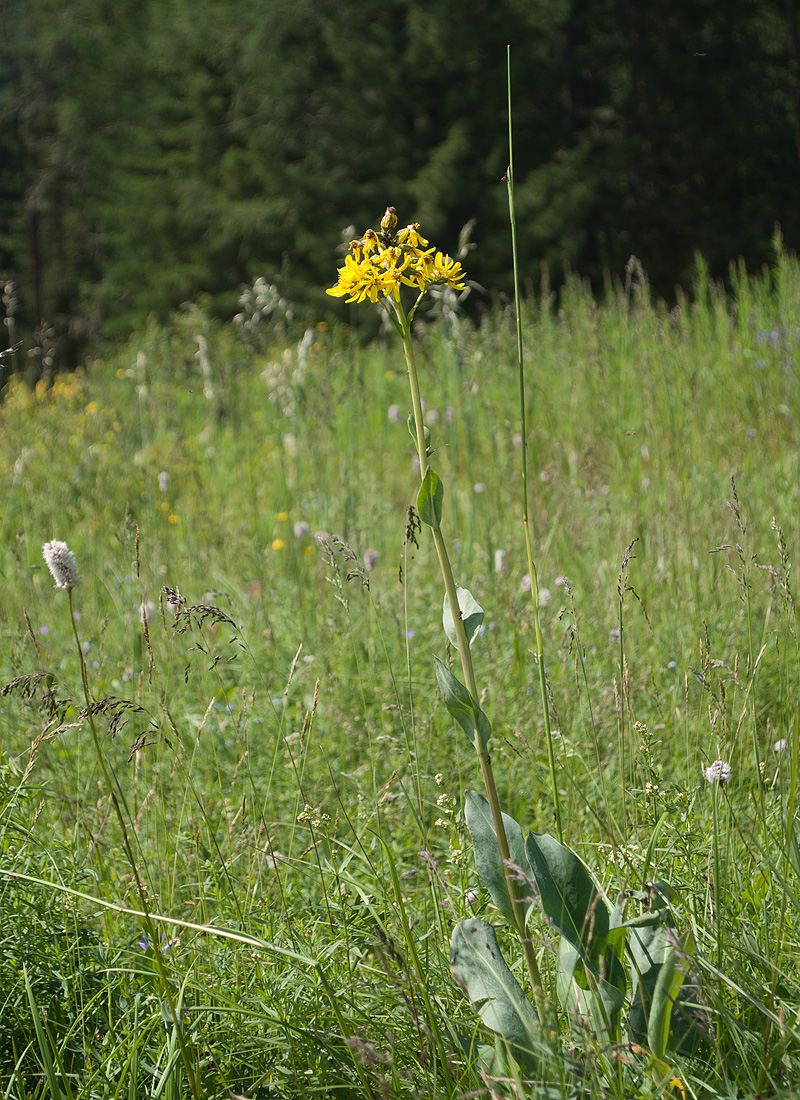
[[717, 873], [467, 667], [150, 927], [532, 571]]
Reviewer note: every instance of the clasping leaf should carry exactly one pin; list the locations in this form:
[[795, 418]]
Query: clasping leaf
[[463, 707], [429, 499], [471, 614], [489, 865]]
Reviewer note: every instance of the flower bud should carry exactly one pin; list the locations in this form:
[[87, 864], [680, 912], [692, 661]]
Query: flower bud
[[389, 220]]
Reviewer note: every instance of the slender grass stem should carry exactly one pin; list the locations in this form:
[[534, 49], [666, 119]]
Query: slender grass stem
[[717, 873], [532, 571], [126, 844]]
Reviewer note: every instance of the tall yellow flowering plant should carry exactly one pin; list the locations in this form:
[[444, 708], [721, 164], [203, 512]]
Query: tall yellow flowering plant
[[523, 874], [377, 268]]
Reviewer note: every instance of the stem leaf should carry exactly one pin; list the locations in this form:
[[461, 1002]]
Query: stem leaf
[[429, 499], [489, 865], [471, 615], [411, 424], [463, 707]]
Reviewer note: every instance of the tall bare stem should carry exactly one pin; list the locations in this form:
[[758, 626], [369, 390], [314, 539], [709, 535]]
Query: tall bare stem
[[532, 571]]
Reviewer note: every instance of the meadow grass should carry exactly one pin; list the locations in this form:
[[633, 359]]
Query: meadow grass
[[293, 785]]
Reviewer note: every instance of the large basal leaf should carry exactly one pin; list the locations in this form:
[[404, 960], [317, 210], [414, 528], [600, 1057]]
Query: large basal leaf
[[489, 865], [485, 1057], [479, 967], [569, 897], [671, 975], [650, 942], [597, 993], [660, 1004], [429, 499], [463, 707], [471, 614]]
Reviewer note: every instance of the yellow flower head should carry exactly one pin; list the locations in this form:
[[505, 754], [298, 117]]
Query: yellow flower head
[[370, 242], [447, 272], [410, 236], [377, 265]]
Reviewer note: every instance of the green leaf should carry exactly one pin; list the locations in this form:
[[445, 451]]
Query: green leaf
[[488, 864], [485, 1057], [650, 941], [429, 499], [463, 707], [569, 896], [479, 967], [412, 431], [670, 977], [652, 944], [48, 1052], [471, 614], [595, 992]]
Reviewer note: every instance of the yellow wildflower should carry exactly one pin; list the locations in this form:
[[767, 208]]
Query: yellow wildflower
[[370, 242], [378, 265], [448, 272], [350, 277], [411, 237], [421, 273]]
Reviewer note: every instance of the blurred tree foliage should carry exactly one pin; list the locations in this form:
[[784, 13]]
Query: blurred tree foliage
[[155, 150]]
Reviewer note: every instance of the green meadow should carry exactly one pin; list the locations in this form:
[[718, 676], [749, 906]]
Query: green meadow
[[257, 619]]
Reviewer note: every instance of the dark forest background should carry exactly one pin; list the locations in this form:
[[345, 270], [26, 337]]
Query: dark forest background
[[154, 151]]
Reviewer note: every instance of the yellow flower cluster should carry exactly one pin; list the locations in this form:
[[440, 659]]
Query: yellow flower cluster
[[380, 263], [67, 389]]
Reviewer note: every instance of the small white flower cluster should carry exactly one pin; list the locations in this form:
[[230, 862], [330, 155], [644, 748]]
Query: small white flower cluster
[[313, 817], [61, 563], [458, 858]]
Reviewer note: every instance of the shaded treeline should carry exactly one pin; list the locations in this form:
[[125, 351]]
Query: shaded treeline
[[155, 150]]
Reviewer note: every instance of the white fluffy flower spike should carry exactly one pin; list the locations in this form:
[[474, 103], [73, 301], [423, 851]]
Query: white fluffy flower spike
[[61, 562]]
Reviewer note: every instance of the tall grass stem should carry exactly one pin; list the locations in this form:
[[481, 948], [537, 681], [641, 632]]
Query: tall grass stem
[[148, 923], [532, 571]]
